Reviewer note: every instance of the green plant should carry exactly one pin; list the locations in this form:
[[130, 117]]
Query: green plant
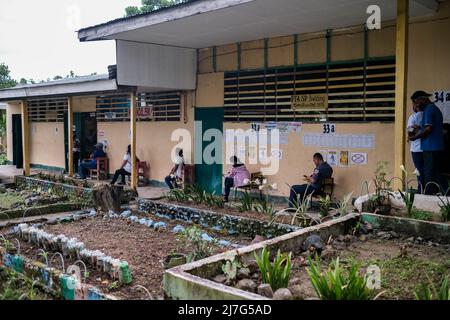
[[200, 248], [276, 273], [334, 284], [382, 185], [113, 286], [267, 208], [430, 293], [344, 205], [325, 205], [178, 195], [445, 208], [231, 265], [298, 211], [212, 200], [196, 193], [408, 199], [420, 214], [246, 202]]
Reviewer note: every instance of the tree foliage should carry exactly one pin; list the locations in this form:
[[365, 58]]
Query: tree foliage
[[5, 78], [151, 5]]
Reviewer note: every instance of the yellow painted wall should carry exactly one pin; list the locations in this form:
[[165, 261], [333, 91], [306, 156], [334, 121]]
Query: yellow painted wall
[[154, 143], [210, 92], [47, 143], [84, 104], [428, 53], [297, 158]]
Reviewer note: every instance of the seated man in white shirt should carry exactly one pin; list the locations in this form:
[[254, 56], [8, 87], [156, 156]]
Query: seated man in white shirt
[[177, 172]]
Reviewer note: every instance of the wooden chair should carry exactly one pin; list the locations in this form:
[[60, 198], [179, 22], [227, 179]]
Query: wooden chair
[[188, 176], [102, 170], [143, 170], [251, 185], [326, 189]]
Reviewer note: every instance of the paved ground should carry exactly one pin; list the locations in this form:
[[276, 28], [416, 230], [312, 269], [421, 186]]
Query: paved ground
[[48, 217], [8, 172], [151, 192]]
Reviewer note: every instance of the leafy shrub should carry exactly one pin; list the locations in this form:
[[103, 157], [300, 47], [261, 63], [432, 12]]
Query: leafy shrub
[[430, 293], [334, 284], [192, 237], [246, 202], [408, 199], [325, 205], [445, 208], [421, 214], [276, 273]]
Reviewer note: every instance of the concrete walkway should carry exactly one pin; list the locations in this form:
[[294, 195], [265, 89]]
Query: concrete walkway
[[151, 192], [8, 172], [47, 218]]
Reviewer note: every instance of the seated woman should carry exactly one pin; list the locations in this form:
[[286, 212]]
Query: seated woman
[[125, 168], [177, 173], [237, 177]]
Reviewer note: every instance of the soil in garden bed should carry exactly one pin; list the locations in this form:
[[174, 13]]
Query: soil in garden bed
[[405, 263], [142, 247], [419, 215], [232, 210]]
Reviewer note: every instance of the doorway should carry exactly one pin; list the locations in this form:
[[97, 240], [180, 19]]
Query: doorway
[[208, 176], [85, 130], [17, 141]]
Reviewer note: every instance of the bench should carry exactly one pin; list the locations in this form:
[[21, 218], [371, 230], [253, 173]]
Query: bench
[[251, 185], [102, 170]]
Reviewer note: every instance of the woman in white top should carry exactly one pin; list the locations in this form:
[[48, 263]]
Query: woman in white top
[[414, 123], [177, 172], [125, 168]]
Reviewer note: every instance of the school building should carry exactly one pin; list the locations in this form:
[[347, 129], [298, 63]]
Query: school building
[[311, 68]]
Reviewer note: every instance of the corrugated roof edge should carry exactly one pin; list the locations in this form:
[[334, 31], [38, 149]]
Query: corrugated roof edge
[[62, 81], [177, 6]]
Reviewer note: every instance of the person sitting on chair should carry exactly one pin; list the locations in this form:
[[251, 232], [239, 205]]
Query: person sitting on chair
[[314, 182], [92, 163], [177, 172], [125, 168], [236, 177]]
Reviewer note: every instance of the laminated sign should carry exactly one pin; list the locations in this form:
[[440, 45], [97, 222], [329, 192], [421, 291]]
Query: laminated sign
[[309, 101]]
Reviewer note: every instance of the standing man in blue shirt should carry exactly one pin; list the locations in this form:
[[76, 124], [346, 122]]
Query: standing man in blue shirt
[[432, 141]]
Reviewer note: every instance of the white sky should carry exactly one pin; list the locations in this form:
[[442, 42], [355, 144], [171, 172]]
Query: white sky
[[38, 38]]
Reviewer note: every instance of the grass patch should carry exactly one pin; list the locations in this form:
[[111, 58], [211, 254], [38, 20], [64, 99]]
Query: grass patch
[[7, 200], [401, 276]]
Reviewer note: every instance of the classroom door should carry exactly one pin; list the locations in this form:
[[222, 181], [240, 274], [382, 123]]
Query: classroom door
[[85, 129], [17, 141], [208, 176]]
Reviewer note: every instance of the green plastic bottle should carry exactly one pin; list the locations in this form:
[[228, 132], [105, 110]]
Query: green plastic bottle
[[126, 277]]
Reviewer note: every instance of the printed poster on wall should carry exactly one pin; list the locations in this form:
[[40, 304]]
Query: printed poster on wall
[[343, 158], [332, 158], [358, 158], [441, 99]]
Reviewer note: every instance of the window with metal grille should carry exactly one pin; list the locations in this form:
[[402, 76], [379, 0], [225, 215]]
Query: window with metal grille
[[151, 106], [47, 110], [355, 90]]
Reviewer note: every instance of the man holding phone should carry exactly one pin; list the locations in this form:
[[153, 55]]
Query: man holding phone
[[313, 183]]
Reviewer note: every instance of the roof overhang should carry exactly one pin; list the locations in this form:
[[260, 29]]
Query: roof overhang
[[58, 88], [205, 23]]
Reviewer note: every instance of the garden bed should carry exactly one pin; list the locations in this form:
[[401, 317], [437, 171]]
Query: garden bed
[[405, 261], [142, 247], [216, 218], [28, 202], [71, 187]]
